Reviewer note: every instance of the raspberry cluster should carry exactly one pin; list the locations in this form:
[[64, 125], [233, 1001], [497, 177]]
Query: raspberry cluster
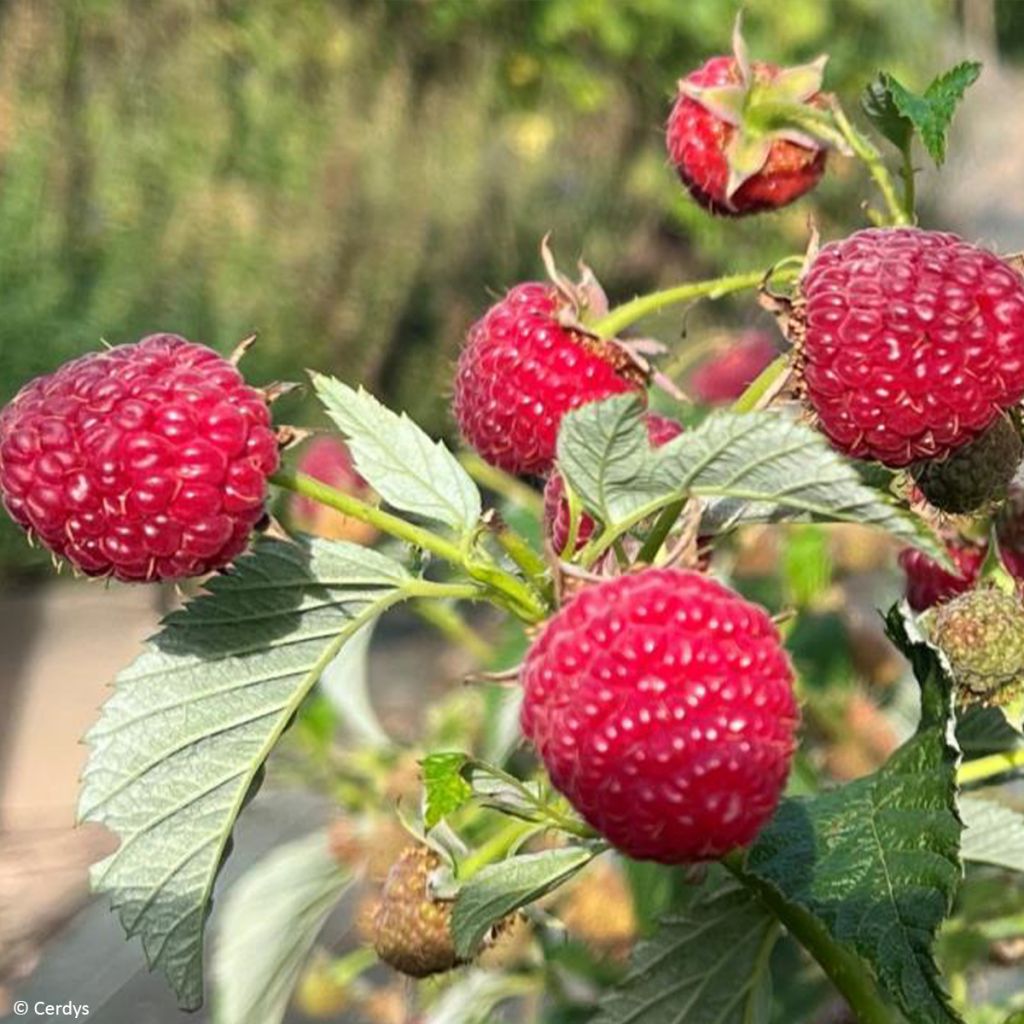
[[662, 706], [143, 462]]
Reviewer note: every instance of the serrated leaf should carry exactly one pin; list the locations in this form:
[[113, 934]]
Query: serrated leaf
[[751, 467], [708, 964], [897, 111], [181, 742], [993, 834], [405, 466], [877, 860], [267, 926], [500, 888], [445, 789], [607, 458]]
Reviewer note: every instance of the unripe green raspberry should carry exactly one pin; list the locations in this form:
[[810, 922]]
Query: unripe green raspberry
[[975, 475], [982, 634]]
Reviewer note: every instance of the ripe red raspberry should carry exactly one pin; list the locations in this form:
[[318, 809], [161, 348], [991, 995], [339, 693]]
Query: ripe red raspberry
[[724, 377], [660, 430], [521, 371], [662, 705], [726, 160], [909, 343], [929, 584], [144, 462]]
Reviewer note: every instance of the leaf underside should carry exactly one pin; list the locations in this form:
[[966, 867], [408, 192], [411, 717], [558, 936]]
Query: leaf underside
[[993, 834], [708, 964], [180, 744], [749, 467], [877, 860], [269, 922]]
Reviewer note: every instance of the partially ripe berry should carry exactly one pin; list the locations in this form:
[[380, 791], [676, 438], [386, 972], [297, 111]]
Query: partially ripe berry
[[144, 462], [411, 929], [726, 375], [521, 370], [724, 156], [662, 706], [909, 343], [982, 634], [929, 584], [660, 430], [976, 475], [328, 460]]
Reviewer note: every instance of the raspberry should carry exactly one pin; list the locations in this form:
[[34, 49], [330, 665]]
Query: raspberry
[[662, 705], [660, 430], [724, 377], [909, 343], [327, 459], [929, 584], [521, 371], [718, 144], [975, 475], [411, 928], [982, 634], [144, 462]]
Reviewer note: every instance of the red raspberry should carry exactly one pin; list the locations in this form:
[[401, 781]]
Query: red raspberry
[[144, 462], [724, 377], [521, 371], [909, 343], [929, 584], [660, 430], [728, 166], [662, 705]]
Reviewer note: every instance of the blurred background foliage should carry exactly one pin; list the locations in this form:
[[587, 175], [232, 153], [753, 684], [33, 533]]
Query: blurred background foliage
[[355, 178]]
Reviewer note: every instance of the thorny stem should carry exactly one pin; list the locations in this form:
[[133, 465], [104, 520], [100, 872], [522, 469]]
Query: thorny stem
[[761, 385], [909, 184], [519, 550], [630, 312], [986, 767], [846, 971], [506, 589]]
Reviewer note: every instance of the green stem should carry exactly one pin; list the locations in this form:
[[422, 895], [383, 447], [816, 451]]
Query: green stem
[[986, 767], [496, 847], [610, 325], [447, 621], [761, 385], [519, 550], [909, 184], [846, 971], [660, 531], [866, 152], [509, 591], [508, 486], [346, 969]]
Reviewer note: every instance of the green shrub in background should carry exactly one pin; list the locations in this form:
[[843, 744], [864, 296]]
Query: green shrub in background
[[344, 177]]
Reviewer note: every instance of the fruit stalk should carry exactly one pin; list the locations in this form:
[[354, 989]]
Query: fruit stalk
[[849, 975], [512, 593], [644, 305]]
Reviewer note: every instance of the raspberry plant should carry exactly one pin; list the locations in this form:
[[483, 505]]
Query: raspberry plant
[[650, 738]]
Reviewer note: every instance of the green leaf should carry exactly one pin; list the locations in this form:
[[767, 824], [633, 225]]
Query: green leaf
[[897, 111], [181, 743], [708, 964], [445, 789], [751, 467], [606, 456], [345, 683], [406, 467], [993, 834], [877, 860], [267, 926], [500, 888]]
